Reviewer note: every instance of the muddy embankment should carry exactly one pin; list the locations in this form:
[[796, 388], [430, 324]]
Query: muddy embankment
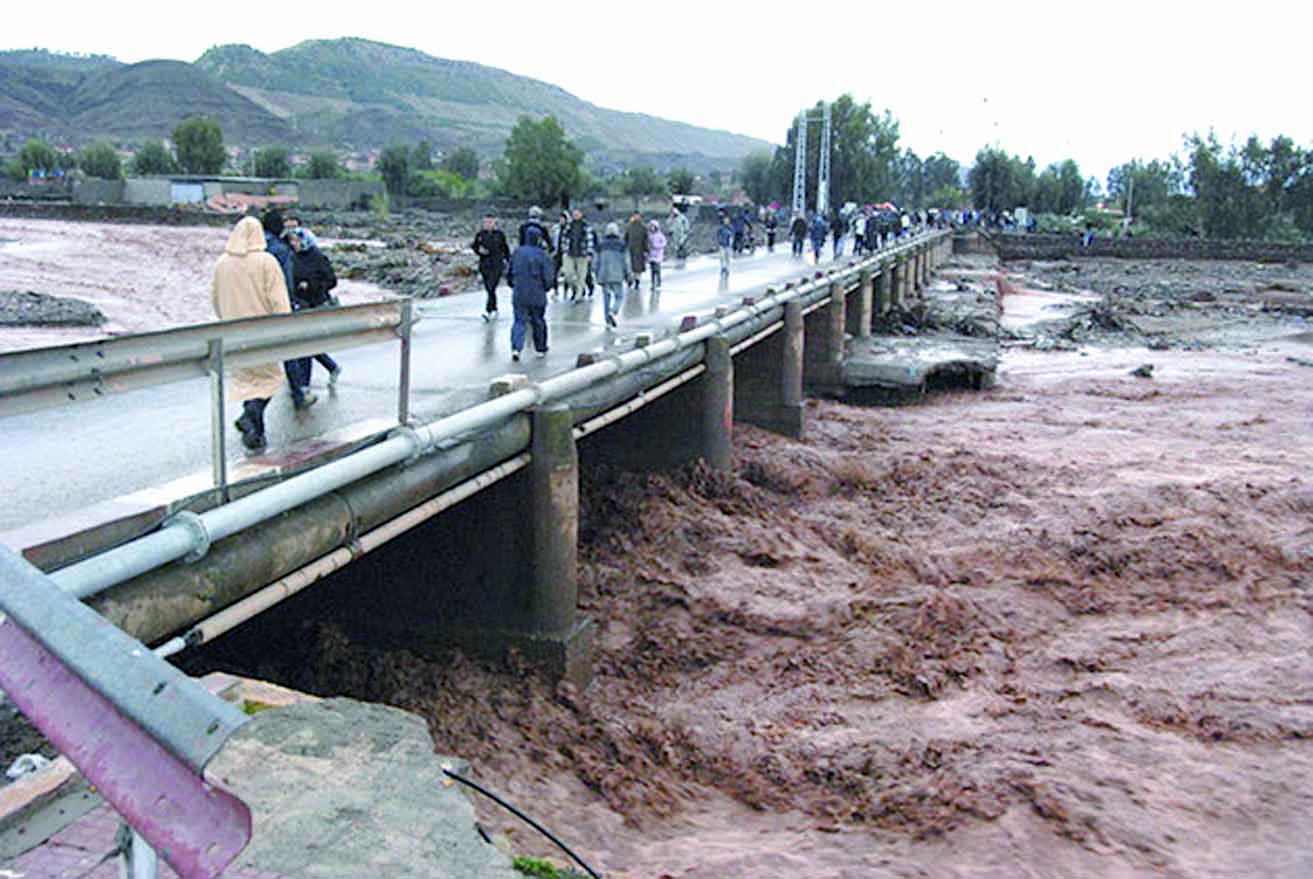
[[1055, 629]]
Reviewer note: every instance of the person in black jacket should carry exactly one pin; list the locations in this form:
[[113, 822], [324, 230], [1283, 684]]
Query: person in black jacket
[[494, 253], [313, 281]]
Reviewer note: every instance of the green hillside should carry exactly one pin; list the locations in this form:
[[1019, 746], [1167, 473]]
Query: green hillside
[[347, 94]]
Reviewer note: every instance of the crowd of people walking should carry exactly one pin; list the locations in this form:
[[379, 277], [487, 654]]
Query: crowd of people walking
[[274, 265]]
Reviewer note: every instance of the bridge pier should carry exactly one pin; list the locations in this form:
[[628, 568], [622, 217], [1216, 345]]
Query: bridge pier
[[859, 308], [897, 281], [882, 286], [768, 379], [717, 415], [823, 341]]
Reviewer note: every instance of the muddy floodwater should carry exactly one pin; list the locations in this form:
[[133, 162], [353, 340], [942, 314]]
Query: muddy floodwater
[[1058, 628]]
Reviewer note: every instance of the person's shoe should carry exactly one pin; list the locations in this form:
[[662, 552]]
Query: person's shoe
[[515, 356], [542, 354], [305, 402], [610, 321], [487, 316], [254, 442], [333, 375]]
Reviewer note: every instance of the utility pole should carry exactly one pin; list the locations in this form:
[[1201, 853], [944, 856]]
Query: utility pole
[[800, 166], [823, 172]]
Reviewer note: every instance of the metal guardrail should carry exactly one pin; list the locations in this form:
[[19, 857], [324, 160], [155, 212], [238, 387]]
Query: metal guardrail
[[136, 727], [65, 374]]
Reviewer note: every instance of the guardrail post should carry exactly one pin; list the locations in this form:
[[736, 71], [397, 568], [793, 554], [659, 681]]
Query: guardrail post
[[218, 444], [859, 310], [718, 405], [403, 382]]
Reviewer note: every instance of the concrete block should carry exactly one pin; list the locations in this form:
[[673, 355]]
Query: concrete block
[[507, 384]]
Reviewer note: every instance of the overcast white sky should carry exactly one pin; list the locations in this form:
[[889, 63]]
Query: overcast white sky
[[1099, 82]]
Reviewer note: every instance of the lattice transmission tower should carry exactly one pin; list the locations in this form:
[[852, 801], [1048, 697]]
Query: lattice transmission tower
[[800, 164]]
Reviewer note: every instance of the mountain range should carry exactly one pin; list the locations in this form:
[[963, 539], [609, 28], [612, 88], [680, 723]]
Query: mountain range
[[348, 94]]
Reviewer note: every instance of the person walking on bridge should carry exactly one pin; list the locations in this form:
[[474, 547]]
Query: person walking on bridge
[[656, 253], [248, 282], [298, 370], [315, 279], [725, 241], [577, 250], [679, 226], [494, 253], [613, 272], [818, 231], [637, 243], [531, 275], [798, 234]]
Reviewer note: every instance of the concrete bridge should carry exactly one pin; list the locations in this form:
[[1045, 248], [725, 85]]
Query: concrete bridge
[[497, 575], [679, 389]]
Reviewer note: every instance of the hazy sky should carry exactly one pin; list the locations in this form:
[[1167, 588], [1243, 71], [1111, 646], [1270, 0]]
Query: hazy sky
[[1101, 82]]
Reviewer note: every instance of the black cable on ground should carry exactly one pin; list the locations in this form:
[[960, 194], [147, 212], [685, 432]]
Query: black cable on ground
[[532, 823]]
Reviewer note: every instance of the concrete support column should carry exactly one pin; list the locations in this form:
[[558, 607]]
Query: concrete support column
[[859, 308], [897, 277], [925, 267], [768, 379], [717, 417], [915, 265], [882, 289], [907, 291], [823, 342], [549, 606]]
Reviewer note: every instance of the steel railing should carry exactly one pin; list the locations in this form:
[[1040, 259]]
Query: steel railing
[[57, 376]]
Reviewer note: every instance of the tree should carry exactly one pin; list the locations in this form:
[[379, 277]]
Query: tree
[[421, 159], [271, 161], [755, 174], [153, 158], [323, 165], [1000, 182], [1229, 205], [1145, 184], [101, 160], [540, 162], [463, 161], [642, 181], [681, 181], [394, 166], [199, 142], [37, 155]]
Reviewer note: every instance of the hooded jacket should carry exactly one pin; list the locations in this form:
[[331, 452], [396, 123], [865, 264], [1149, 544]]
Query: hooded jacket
[[248, 282], [531, 273], [657, 243], [612, 266]]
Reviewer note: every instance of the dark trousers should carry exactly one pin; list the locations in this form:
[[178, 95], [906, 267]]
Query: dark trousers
[[326, 362], [529, 316], [491, 275], [797, 247], [298, 377]]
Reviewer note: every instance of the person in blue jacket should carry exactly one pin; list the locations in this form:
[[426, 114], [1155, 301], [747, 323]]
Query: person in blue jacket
[[818, 231], [298, 370], [531, 274], [725, 241]]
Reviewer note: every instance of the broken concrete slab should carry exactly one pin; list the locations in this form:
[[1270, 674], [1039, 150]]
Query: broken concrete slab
[[915, 363], [340, 789]]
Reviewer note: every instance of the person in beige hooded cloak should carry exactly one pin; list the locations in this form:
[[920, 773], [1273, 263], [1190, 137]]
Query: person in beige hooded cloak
[[248, 282]]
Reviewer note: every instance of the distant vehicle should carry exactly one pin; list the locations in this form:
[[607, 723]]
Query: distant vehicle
[[686, 199]]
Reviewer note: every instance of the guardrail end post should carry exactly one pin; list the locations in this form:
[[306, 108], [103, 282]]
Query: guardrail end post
[[688, 322]]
